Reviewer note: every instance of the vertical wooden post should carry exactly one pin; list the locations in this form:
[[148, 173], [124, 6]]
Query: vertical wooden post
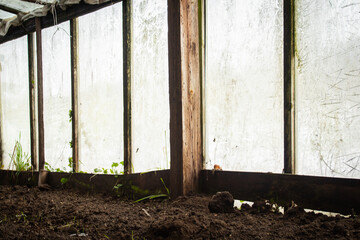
[[1, 124], [202, 56], [33, 131], [289, 88], [184, 96], [74, 52], [127, 70], [40, 94]]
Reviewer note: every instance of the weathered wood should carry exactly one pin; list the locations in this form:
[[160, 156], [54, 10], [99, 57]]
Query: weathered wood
[[1, 127], [48, 21], [41, 143], [202, 60], [184, 96], [289, 88], [132, 185], [8, 177], [32, 101], [319, 193], [74, 52], [127, 66]]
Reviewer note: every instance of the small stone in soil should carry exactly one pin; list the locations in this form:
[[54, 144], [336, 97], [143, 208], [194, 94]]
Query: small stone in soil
[[221, 202]]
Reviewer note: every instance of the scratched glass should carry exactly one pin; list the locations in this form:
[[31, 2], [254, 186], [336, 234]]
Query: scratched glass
[[101, 89], [327, 88], [14, 98], [57, 95], [150, 106], [244, 86]]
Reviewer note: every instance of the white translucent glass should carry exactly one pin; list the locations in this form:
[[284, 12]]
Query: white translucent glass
[[327, 88], [14, 97], [244, 86], [150, 106], [101, 89], [57, 95]]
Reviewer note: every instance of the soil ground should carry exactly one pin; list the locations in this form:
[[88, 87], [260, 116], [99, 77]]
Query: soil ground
[[30, 213]]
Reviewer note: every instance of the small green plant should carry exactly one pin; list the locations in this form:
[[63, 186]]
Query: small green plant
[[161, 195], [64, 180], [112, 170], [19, 158]]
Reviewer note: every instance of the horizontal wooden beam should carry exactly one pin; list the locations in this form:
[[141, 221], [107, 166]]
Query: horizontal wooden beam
[[320, 193], [48, 21], [133, 185]]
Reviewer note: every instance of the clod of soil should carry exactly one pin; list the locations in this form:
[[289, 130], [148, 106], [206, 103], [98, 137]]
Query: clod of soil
[[222, 202]]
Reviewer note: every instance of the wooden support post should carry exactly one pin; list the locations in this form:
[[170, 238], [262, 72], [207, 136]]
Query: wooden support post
[[40, 94], [184, 96], [32, 95], [74, 52], [1, 127], [289, 88], [127, 67]]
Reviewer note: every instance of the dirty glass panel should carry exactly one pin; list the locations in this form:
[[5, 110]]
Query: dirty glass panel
[[57, 96], [14, 99], [243, 86], [150, 87], [101, 90], [327, 87]]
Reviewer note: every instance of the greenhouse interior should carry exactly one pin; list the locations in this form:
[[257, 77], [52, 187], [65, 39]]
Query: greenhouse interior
[[179, 119]]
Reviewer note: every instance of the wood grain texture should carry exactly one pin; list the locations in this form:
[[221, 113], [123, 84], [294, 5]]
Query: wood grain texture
[[41, 143], [32, 100], [185, 96], [289, 88], [127, 80], [74, 53]]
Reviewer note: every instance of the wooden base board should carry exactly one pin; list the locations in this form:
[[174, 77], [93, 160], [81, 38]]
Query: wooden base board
[[320, 193]]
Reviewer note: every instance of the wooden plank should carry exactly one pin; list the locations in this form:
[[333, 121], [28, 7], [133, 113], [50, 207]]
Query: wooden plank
[[41, 143], [8, 177], [74, 52], [132, 185], [320, 193], [127, 66], [202, 60], [289, 88], [1, 124], [184, 96], [32, 95], [48, 20]]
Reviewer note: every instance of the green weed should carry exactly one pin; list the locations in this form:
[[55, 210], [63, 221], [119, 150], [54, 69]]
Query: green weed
[[19, 158]]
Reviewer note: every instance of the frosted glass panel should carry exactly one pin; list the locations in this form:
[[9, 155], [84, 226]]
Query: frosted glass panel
[[244, 87], [57, 98], [327, 87], [150, 87], [101, 89], [14, 97]]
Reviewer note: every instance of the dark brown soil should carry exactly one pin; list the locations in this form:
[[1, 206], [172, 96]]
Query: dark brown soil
[[29, 213]]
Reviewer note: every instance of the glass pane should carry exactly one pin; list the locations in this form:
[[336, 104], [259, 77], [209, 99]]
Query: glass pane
[[244, 87], [327, 88], [151, 146], [57, 95], [14, 98], [101, 89]]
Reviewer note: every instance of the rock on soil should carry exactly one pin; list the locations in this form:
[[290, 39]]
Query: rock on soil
[[222, 202]]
